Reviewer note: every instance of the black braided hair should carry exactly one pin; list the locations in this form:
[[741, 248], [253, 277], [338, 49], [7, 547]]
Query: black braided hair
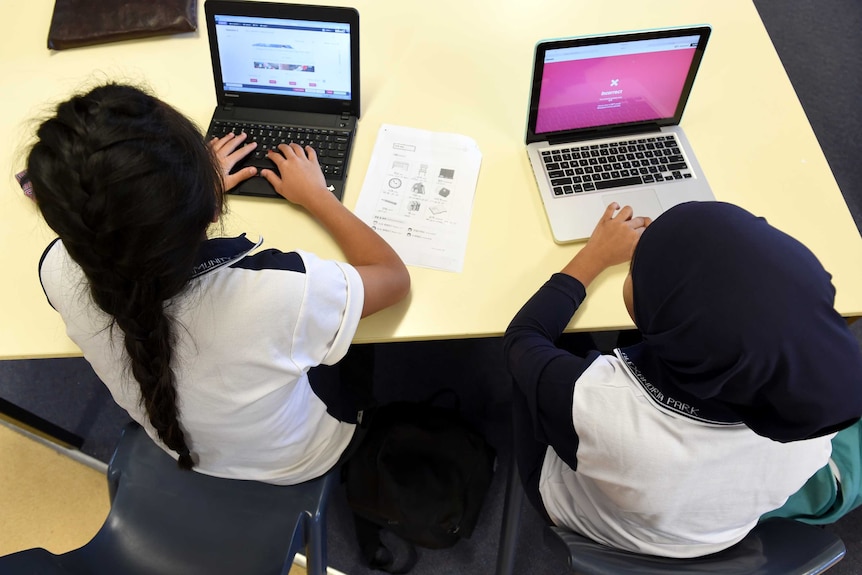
[[130, 186]]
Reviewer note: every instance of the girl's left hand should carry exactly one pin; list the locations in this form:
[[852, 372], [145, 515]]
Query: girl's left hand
[[229, 150]]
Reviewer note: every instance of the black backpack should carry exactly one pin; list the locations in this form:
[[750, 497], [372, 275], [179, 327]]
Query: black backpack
[[421, 473]]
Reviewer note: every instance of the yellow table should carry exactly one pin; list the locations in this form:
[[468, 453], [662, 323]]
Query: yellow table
[[455, 66]]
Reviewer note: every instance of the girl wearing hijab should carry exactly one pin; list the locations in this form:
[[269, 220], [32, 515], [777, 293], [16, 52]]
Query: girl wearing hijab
[[742, 400]]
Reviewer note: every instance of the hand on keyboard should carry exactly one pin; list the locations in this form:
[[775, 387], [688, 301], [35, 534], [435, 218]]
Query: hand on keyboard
[[297, 177], [229, 150], [331, 146]]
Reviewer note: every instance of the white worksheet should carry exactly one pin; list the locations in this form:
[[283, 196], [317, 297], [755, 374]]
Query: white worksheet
[[418, 194]]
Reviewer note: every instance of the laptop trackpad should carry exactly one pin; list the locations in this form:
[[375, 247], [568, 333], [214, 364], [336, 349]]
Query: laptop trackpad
[[644, 202]]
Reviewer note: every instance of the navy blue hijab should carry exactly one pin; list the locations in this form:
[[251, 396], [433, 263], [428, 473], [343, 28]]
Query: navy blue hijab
[[737, 317]]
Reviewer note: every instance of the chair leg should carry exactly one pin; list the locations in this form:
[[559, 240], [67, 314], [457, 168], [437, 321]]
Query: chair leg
[[511, 521], [315, 548], [315, 540]]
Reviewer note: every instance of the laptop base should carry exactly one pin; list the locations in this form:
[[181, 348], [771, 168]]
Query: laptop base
[[259, 187]]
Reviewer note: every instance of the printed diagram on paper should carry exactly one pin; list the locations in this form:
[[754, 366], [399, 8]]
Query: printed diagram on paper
[[418, 194]]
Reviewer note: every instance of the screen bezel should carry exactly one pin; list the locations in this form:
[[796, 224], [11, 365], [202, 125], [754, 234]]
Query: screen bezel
[[340, 15], [542, 47]]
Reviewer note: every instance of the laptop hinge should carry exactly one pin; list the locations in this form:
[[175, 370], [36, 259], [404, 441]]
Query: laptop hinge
[[345, 115], [604, 133]]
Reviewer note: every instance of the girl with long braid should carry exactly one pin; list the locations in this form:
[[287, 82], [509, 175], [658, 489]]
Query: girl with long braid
[[220, 352]]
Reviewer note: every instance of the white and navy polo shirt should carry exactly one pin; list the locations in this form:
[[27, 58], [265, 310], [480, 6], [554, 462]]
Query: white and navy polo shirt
[[249, 328], [655, 478], [630, 465]]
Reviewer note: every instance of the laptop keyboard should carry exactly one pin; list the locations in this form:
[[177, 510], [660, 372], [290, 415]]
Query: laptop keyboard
[[332, 146], [591, 167]]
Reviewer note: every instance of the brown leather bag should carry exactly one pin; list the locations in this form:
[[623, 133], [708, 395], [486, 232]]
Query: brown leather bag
[[86, 22]]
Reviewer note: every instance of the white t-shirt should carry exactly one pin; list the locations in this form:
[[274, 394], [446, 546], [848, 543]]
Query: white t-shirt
[[640, 462], [249, 328]]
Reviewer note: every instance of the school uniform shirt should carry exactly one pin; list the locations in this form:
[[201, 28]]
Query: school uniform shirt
[[631, 467], [249, 327]]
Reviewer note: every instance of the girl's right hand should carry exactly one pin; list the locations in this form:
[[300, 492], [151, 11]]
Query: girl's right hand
[[614, 239], [299, 178], [613, 242]]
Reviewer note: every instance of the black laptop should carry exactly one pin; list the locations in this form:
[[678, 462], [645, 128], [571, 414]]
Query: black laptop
[[286, 73]]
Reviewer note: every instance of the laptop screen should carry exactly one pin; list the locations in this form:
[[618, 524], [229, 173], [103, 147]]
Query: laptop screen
[[612, 81], [301, 58]]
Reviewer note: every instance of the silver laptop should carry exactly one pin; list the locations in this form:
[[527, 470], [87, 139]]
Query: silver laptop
[[286, 73], [603, 125]]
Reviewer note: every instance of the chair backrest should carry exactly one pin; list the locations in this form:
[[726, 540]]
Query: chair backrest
[[170, 521], [774, 547]]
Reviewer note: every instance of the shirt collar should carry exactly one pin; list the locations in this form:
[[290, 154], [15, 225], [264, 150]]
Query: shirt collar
[[671, 398], [220, 252]]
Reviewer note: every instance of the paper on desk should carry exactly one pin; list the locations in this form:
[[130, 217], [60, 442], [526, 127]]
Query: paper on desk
[[418, 194]]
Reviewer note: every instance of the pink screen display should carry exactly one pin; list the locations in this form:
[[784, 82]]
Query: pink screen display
[[611, 90]]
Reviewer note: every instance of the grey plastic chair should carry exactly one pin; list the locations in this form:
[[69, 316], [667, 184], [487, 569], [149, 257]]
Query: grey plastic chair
[[774, 547], [167, 521]]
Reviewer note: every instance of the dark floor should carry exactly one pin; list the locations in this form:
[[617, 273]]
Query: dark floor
[[820, 44]]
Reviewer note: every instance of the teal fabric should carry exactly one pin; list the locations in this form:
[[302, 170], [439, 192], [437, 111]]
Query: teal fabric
[[821, 501]]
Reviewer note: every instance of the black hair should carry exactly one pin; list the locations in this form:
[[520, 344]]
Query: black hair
[[130, 186]]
